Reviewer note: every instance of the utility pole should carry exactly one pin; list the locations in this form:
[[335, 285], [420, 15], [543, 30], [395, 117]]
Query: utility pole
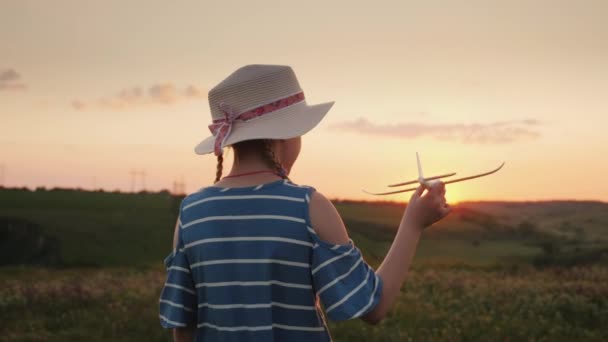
[[2, 174], [143, 179], [138, 173], [133, 173], [179, 187]]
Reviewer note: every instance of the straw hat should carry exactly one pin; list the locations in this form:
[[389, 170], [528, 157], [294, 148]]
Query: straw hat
[[259, 102]]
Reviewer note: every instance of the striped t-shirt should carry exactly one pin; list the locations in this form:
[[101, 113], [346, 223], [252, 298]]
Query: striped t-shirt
[[248, 266]]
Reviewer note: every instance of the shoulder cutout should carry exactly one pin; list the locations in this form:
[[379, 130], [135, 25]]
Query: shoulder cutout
[[326, 220], [176, 234]]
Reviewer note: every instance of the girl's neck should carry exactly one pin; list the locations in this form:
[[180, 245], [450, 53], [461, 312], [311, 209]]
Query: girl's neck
[[247, 166]]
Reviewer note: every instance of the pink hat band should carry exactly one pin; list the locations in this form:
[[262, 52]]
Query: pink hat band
[[221, 128]]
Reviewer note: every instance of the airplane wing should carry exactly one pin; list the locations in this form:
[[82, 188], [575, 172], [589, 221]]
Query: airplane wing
[[447, 182], [426, 179]]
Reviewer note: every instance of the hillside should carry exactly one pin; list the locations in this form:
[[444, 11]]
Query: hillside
[[101, 228], [489, 271]]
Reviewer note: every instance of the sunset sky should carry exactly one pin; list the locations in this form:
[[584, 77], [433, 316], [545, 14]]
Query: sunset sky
[[92, 90]]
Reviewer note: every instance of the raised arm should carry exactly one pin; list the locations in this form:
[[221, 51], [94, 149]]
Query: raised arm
[[422, 211]]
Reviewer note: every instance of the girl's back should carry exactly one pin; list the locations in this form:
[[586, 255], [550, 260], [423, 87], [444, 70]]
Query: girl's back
[[248, 262], [248, 266]]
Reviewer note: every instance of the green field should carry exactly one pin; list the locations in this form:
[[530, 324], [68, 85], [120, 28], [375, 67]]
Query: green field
[[74, 266]]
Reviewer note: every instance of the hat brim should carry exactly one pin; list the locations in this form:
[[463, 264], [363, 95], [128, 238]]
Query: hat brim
[[289, 122]]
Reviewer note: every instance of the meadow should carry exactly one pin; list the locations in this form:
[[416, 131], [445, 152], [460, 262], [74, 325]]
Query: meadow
[[77, 265]]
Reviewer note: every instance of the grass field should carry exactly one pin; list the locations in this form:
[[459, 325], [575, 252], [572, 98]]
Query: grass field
[[76, 268], [442, 304]]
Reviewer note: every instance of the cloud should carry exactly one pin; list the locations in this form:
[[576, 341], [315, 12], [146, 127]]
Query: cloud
[[9, 75], [79, 105], [156, 94], [492, 133], [11, 80]]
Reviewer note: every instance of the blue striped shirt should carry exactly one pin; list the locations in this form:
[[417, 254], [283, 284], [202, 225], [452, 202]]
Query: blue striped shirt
[[248, 266]]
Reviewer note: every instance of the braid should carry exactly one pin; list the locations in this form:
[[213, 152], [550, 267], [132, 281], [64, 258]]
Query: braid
[[218, 173], [272, 159]]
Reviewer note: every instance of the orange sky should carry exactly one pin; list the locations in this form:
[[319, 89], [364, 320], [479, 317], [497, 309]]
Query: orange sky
[[89, 91]]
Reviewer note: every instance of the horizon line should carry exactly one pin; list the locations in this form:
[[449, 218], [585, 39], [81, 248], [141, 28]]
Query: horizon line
[[333, 199]]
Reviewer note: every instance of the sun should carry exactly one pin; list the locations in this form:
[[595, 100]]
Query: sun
[[453, 195]]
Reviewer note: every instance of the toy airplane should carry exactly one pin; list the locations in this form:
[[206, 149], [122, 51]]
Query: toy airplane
[[429, 181]]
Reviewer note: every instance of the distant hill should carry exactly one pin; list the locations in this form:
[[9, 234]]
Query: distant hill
[[98, 228], [576, 219], [111, 228]]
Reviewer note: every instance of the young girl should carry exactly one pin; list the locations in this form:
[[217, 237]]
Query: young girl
[[259, 258]]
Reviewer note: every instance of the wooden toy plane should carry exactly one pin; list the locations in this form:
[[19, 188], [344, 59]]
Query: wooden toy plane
[[429, 181]]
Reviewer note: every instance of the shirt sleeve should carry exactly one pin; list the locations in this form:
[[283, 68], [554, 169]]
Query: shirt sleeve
[[178, 299], [346, 284]]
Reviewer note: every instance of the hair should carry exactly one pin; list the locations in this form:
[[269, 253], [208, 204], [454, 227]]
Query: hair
[[261, 147], [218, 172]]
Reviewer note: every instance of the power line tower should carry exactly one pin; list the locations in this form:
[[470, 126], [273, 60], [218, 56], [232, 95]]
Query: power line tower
[[182, 185], [142, 178], [179, 187], [133, 173], [2, 174], [142, 173]]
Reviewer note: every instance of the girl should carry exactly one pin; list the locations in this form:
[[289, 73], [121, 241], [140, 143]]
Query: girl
[[259, 258]]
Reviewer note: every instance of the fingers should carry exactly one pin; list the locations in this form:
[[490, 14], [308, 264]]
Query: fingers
[[445, 210], [442, 200], [418, 191], [438, 188], [445, 207], [437, 193]]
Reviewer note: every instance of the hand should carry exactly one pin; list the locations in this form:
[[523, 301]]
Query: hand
[[423, 211]]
